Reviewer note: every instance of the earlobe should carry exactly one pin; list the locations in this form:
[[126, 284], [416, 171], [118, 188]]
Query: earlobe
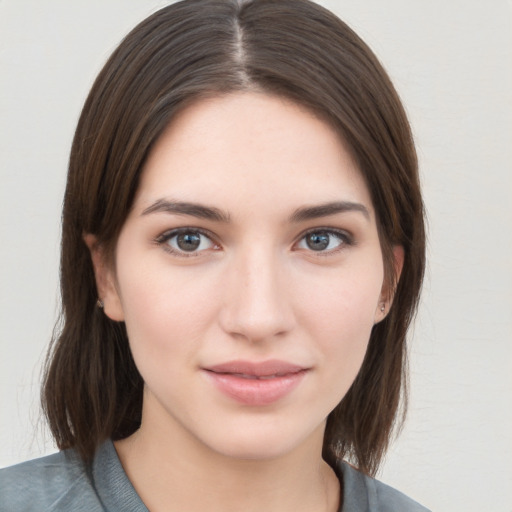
[[105, 280]]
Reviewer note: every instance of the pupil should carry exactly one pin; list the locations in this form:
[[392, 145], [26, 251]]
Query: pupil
[[188, 241], [317, 241]]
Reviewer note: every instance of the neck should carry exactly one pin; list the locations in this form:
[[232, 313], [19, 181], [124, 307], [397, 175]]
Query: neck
[[172, 472]]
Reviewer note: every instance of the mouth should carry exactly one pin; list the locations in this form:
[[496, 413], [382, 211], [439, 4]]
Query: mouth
[[254, 377], [256, 384], [248, 369]]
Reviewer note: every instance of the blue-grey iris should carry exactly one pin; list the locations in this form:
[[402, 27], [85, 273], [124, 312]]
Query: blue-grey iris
[[188, 241], [318, 241]]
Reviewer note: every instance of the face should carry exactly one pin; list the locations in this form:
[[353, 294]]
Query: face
[[249, 274]]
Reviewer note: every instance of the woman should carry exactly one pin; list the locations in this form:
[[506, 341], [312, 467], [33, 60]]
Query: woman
[[242, 254]]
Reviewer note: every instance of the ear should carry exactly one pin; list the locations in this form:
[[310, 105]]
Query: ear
[[105, 279], [388, 292]]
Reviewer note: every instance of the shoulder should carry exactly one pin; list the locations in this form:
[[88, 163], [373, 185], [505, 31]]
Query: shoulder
[[48, 484], [363, 493]]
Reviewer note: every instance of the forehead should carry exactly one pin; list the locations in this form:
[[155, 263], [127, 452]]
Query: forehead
[[250, 145]]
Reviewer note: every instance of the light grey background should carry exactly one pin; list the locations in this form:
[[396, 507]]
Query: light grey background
[[452, 64]]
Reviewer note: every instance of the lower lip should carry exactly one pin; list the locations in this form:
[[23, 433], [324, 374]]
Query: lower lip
[[256, 391]]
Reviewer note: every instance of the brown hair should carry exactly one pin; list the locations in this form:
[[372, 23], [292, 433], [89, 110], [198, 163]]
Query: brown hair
[[188, 50]]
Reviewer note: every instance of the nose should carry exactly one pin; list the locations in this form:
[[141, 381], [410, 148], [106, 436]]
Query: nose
[[256, 296]]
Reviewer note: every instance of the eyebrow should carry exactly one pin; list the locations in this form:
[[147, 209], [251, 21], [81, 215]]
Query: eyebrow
[[184, 208], [215, 214], [324, 210]]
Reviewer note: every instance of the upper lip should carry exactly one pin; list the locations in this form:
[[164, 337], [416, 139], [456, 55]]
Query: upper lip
[[272, 367]]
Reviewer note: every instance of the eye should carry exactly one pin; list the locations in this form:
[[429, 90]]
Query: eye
[[324, 240], [186, 241]]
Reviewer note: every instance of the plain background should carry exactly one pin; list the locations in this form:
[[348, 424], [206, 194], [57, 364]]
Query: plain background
[[451, 61]]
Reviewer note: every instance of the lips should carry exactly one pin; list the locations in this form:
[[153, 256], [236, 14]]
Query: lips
[[256, 384]]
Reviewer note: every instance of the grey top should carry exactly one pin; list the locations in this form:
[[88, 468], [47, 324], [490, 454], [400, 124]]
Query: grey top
[[61, 482]]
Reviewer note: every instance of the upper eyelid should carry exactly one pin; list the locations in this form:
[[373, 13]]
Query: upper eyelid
[[169, 233], [325, 229]]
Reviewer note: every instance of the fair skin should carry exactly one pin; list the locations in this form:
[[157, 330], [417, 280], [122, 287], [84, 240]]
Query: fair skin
[[249, 323]]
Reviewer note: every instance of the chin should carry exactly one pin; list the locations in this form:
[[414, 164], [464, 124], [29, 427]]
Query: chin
[[272, 442]]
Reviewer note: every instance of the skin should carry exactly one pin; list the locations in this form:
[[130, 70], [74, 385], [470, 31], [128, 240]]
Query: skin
[[253, 290]]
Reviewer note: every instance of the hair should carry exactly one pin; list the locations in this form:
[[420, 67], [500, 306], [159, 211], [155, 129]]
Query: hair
[[202, 48]]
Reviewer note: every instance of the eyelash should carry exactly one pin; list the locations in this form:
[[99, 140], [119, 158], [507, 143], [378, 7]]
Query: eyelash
[[345, 238]]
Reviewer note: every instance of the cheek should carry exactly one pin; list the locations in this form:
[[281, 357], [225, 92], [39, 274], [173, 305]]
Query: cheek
[[165, 312], [340, 312]]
